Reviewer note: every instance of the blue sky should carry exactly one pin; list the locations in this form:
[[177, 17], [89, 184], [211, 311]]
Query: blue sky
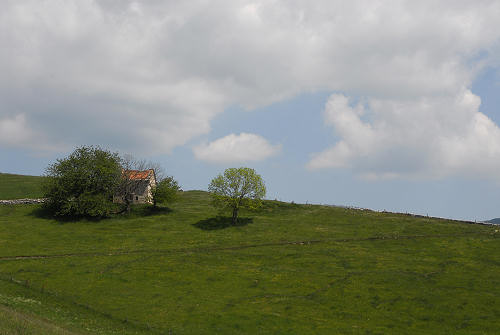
[[389, 106]]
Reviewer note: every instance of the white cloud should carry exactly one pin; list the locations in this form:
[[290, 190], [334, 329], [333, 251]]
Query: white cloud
[[148, 76], [423, 137], [236, 149], [15, 132]]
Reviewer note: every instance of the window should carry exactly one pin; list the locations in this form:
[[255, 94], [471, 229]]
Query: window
[[136, 198]]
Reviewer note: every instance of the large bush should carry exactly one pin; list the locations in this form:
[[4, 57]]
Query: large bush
[[83, 183]]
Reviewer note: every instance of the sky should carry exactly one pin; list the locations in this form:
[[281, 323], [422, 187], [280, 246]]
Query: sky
[[387, 105]]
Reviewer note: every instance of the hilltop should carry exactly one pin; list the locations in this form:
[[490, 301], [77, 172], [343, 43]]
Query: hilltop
[[285, 269], [14, 186]]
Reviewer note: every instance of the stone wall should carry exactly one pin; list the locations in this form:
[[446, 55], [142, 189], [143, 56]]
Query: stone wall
[[21, 201]]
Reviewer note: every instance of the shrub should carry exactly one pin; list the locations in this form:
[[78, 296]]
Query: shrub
[[83, 183]]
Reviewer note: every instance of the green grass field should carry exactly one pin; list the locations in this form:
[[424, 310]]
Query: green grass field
[[13, 186], [286, 269]]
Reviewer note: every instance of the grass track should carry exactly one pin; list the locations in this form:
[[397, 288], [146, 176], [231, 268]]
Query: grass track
[[15, 323], [289, 269], [215, 249]]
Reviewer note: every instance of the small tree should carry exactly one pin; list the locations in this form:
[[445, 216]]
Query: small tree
[[127, 186], [165, 191], [82, 184], [237, 188]]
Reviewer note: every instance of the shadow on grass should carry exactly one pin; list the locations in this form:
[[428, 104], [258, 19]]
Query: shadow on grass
[[221, 222], [147, 210], [44, 213], [137, 211]]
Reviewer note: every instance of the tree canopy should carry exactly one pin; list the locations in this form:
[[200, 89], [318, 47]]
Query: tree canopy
[[237, 188], [165, 190], [83, 183]]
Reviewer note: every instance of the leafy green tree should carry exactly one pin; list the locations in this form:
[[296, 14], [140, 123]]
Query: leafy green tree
[[165, 191], [83, 183], [237, 188]]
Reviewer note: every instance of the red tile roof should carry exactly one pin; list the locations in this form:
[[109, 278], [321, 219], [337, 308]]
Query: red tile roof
[[138, 175]]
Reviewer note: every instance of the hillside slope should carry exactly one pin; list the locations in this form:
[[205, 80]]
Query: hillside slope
[[285, 269], [13, 186], [16, 323]]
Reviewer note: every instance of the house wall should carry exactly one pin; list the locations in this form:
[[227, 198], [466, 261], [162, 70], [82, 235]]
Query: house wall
[[137, 199], [146, 197]]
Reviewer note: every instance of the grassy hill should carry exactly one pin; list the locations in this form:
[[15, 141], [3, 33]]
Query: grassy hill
[[286, 269], [13, 186]]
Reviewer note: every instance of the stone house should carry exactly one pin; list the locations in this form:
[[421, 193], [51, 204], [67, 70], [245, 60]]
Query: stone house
[[138, 187]]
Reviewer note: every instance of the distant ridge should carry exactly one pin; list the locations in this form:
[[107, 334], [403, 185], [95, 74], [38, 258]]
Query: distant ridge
[[493, 221]]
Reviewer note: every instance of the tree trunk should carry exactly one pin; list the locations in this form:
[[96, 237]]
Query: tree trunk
[[127, 205], [235, 216]]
